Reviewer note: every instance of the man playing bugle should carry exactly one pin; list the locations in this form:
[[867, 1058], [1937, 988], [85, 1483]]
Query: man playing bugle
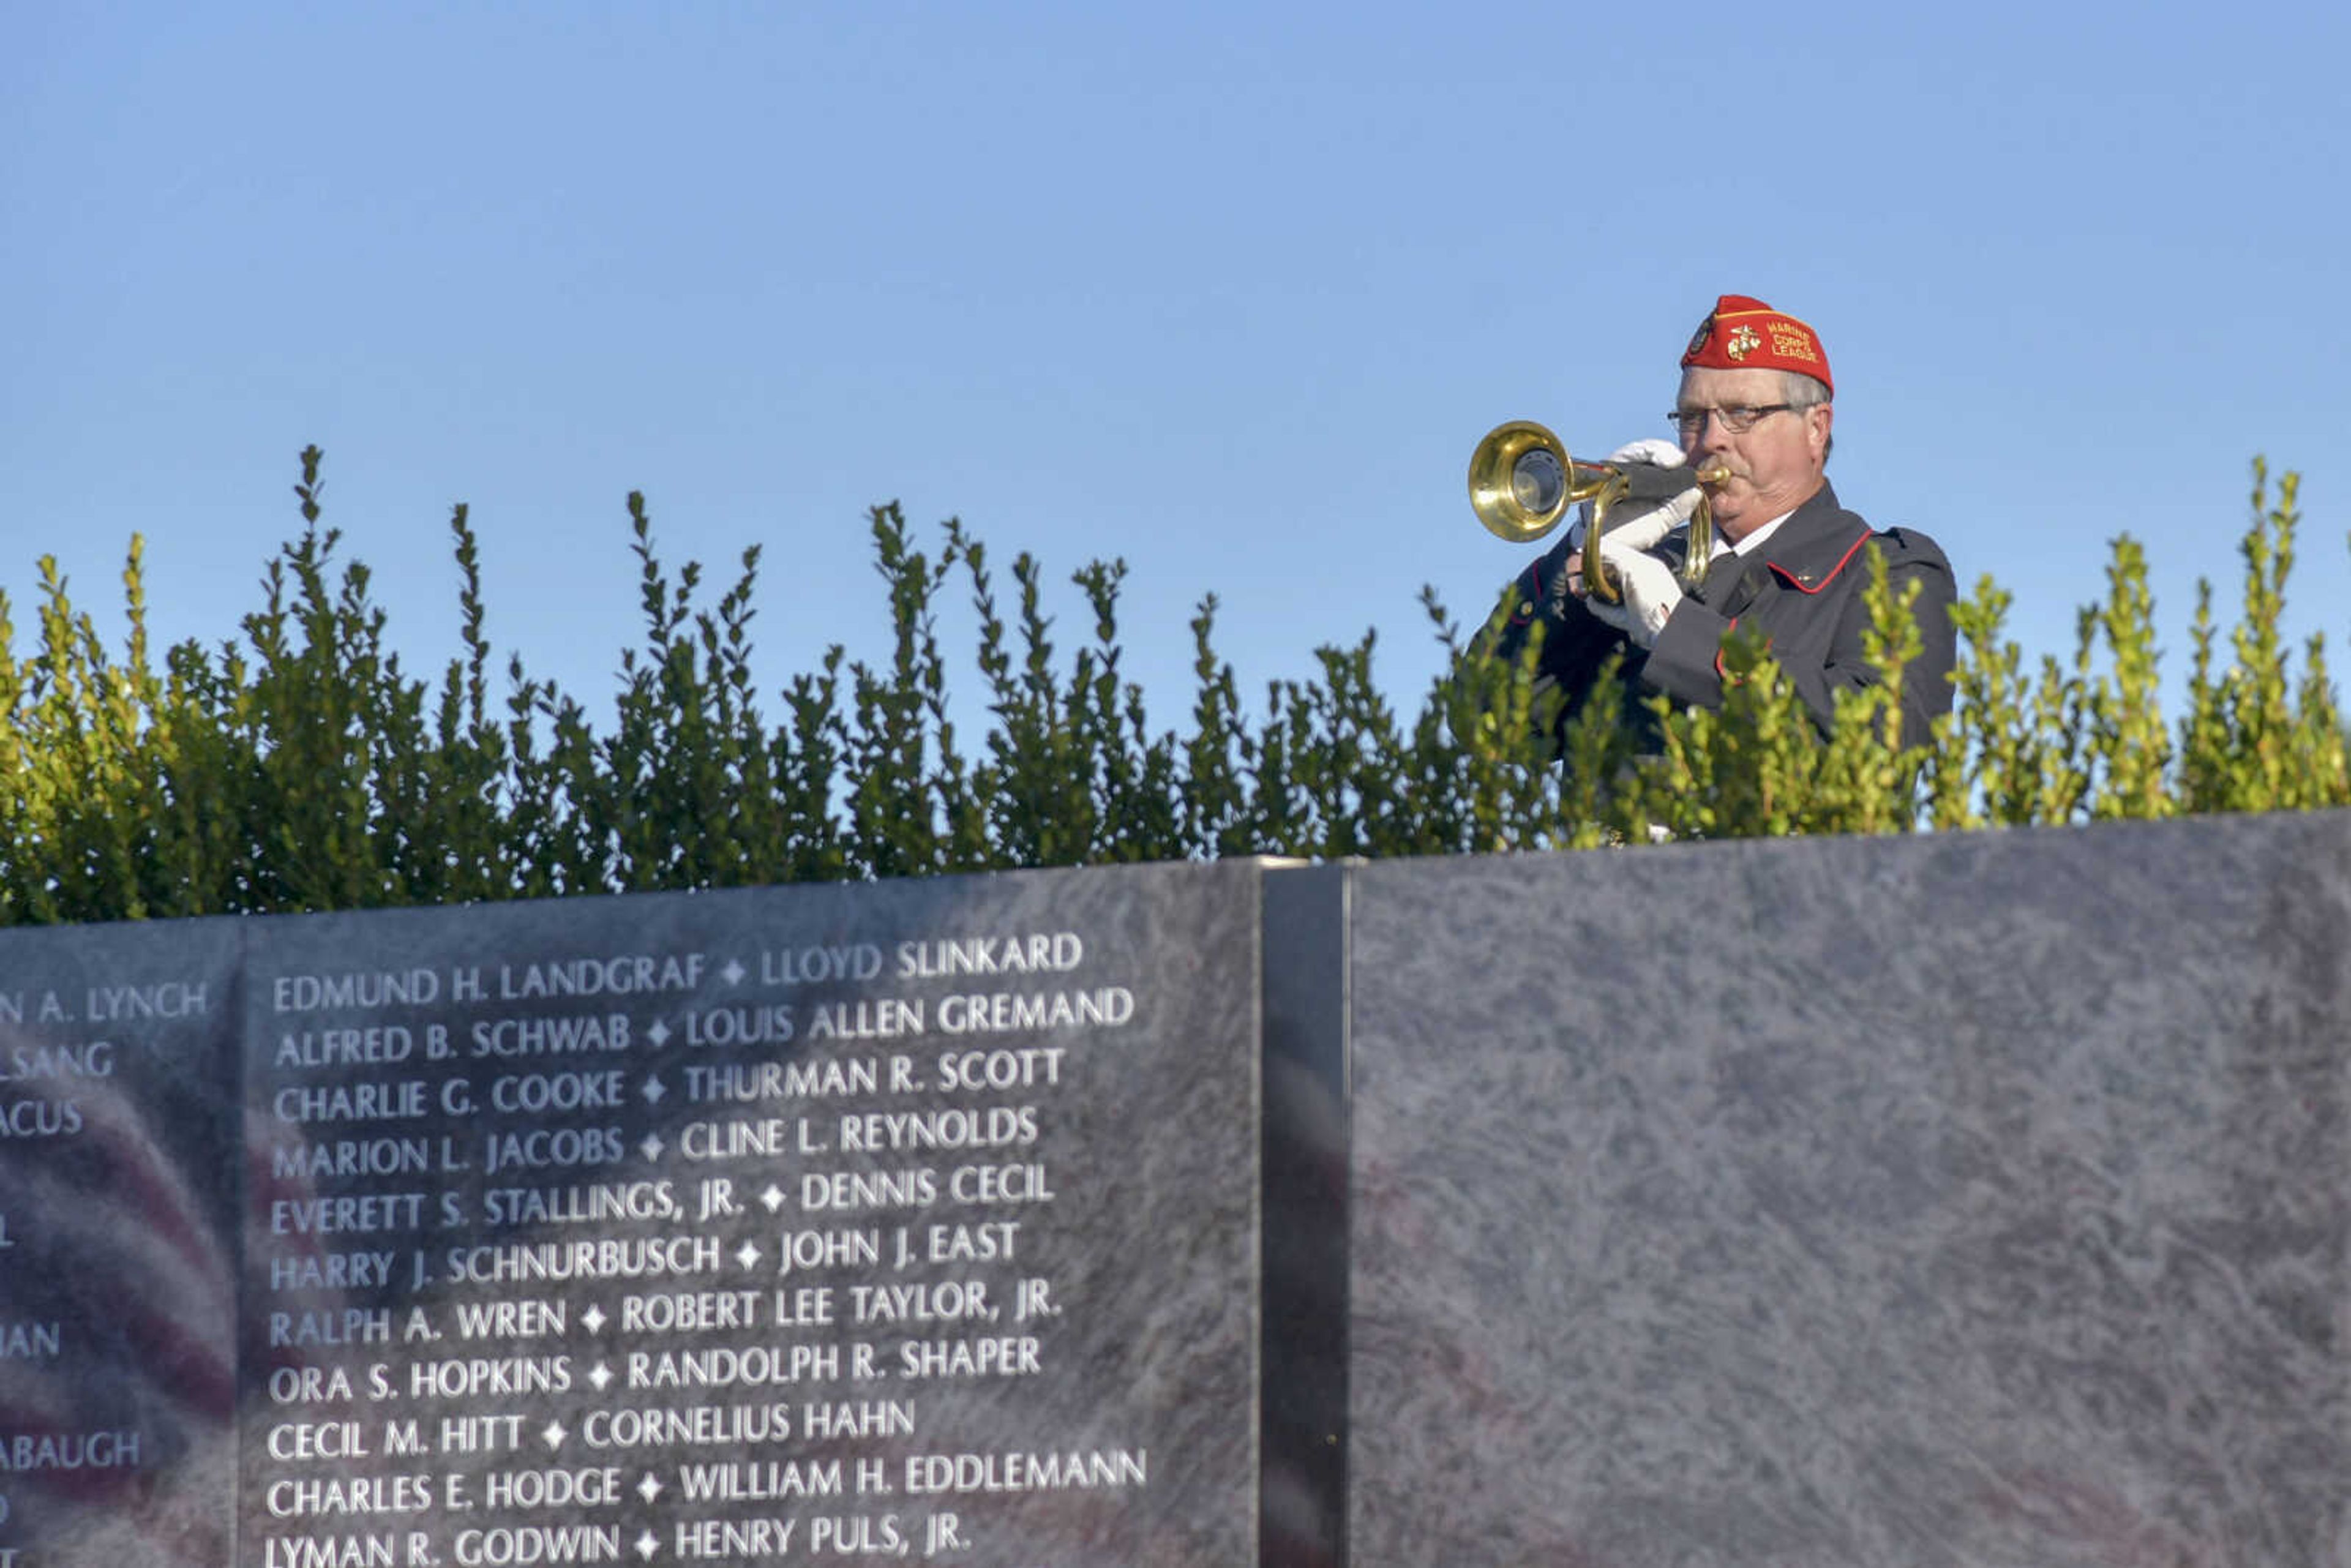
[[1789, 563]]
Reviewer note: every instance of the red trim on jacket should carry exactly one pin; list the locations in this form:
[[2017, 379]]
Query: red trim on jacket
[[1800, 586]]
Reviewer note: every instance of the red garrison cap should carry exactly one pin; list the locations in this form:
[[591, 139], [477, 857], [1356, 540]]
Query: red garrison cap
[[1746, 334]]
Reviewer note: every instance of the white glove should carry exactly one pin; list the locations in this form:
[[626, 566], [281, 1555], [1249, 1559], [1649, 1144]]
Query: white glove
[[1654, 450], [1648, 586]]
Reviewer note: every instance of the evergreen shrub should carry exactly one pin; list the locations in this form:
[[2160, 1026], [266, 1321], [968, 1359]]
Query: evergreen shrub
[[299, 767]]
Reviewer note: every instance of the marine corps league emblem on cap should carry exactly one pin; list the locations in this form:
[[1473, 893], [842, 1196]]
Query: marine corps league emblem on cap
[[1741, 333]]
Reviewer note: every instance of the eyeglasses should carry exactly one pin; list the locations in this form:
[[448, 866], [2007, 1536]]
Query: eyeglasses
[[1739, 418]]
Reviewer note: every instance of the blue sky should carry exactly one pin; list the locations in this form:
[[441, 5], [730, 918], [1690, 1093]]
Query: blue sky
[[1226, 291]]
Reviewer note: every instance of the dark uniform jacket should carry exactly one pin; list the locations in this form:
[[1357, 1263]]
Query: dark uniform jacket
[[1800, 590]]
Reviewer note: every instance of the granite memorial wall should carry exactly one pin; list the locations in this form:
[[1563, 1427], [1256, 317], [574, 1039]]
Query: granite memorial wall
[[791, 1225], [1974, 1199], [120, 1142], [1971, 1199]]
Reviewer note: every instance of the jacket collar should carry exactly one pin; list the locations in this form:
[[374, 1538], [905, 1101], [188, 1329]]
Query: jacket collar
[[1819, 540]]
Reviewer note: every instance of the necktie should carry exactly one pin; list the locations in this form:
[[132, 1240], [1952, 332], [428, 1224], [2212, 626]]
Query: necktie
[[1722, 579]]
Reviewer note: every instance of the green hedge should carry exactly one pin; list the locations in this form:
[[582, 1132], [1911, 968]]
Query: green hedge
[[299, 768]]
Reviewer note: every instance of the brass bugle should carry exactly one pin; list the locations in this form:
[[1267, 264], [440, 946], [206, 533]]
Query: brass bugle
[[1522, 482]]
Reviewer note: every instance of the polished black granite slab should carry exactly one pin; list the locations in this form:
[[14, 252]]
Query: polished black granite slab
[[774, 1225], [787, 1224], [1974, 1200], [121, 1148], [1962, 1200]]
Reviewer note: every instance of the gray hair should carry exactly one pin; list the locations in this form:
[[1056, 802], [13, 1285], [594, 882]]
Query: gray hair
[[1801, 392]]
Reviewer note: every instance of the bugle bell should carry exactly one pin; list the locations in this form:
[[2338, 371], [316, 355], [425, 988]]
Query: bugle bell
[[1521, 483]]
